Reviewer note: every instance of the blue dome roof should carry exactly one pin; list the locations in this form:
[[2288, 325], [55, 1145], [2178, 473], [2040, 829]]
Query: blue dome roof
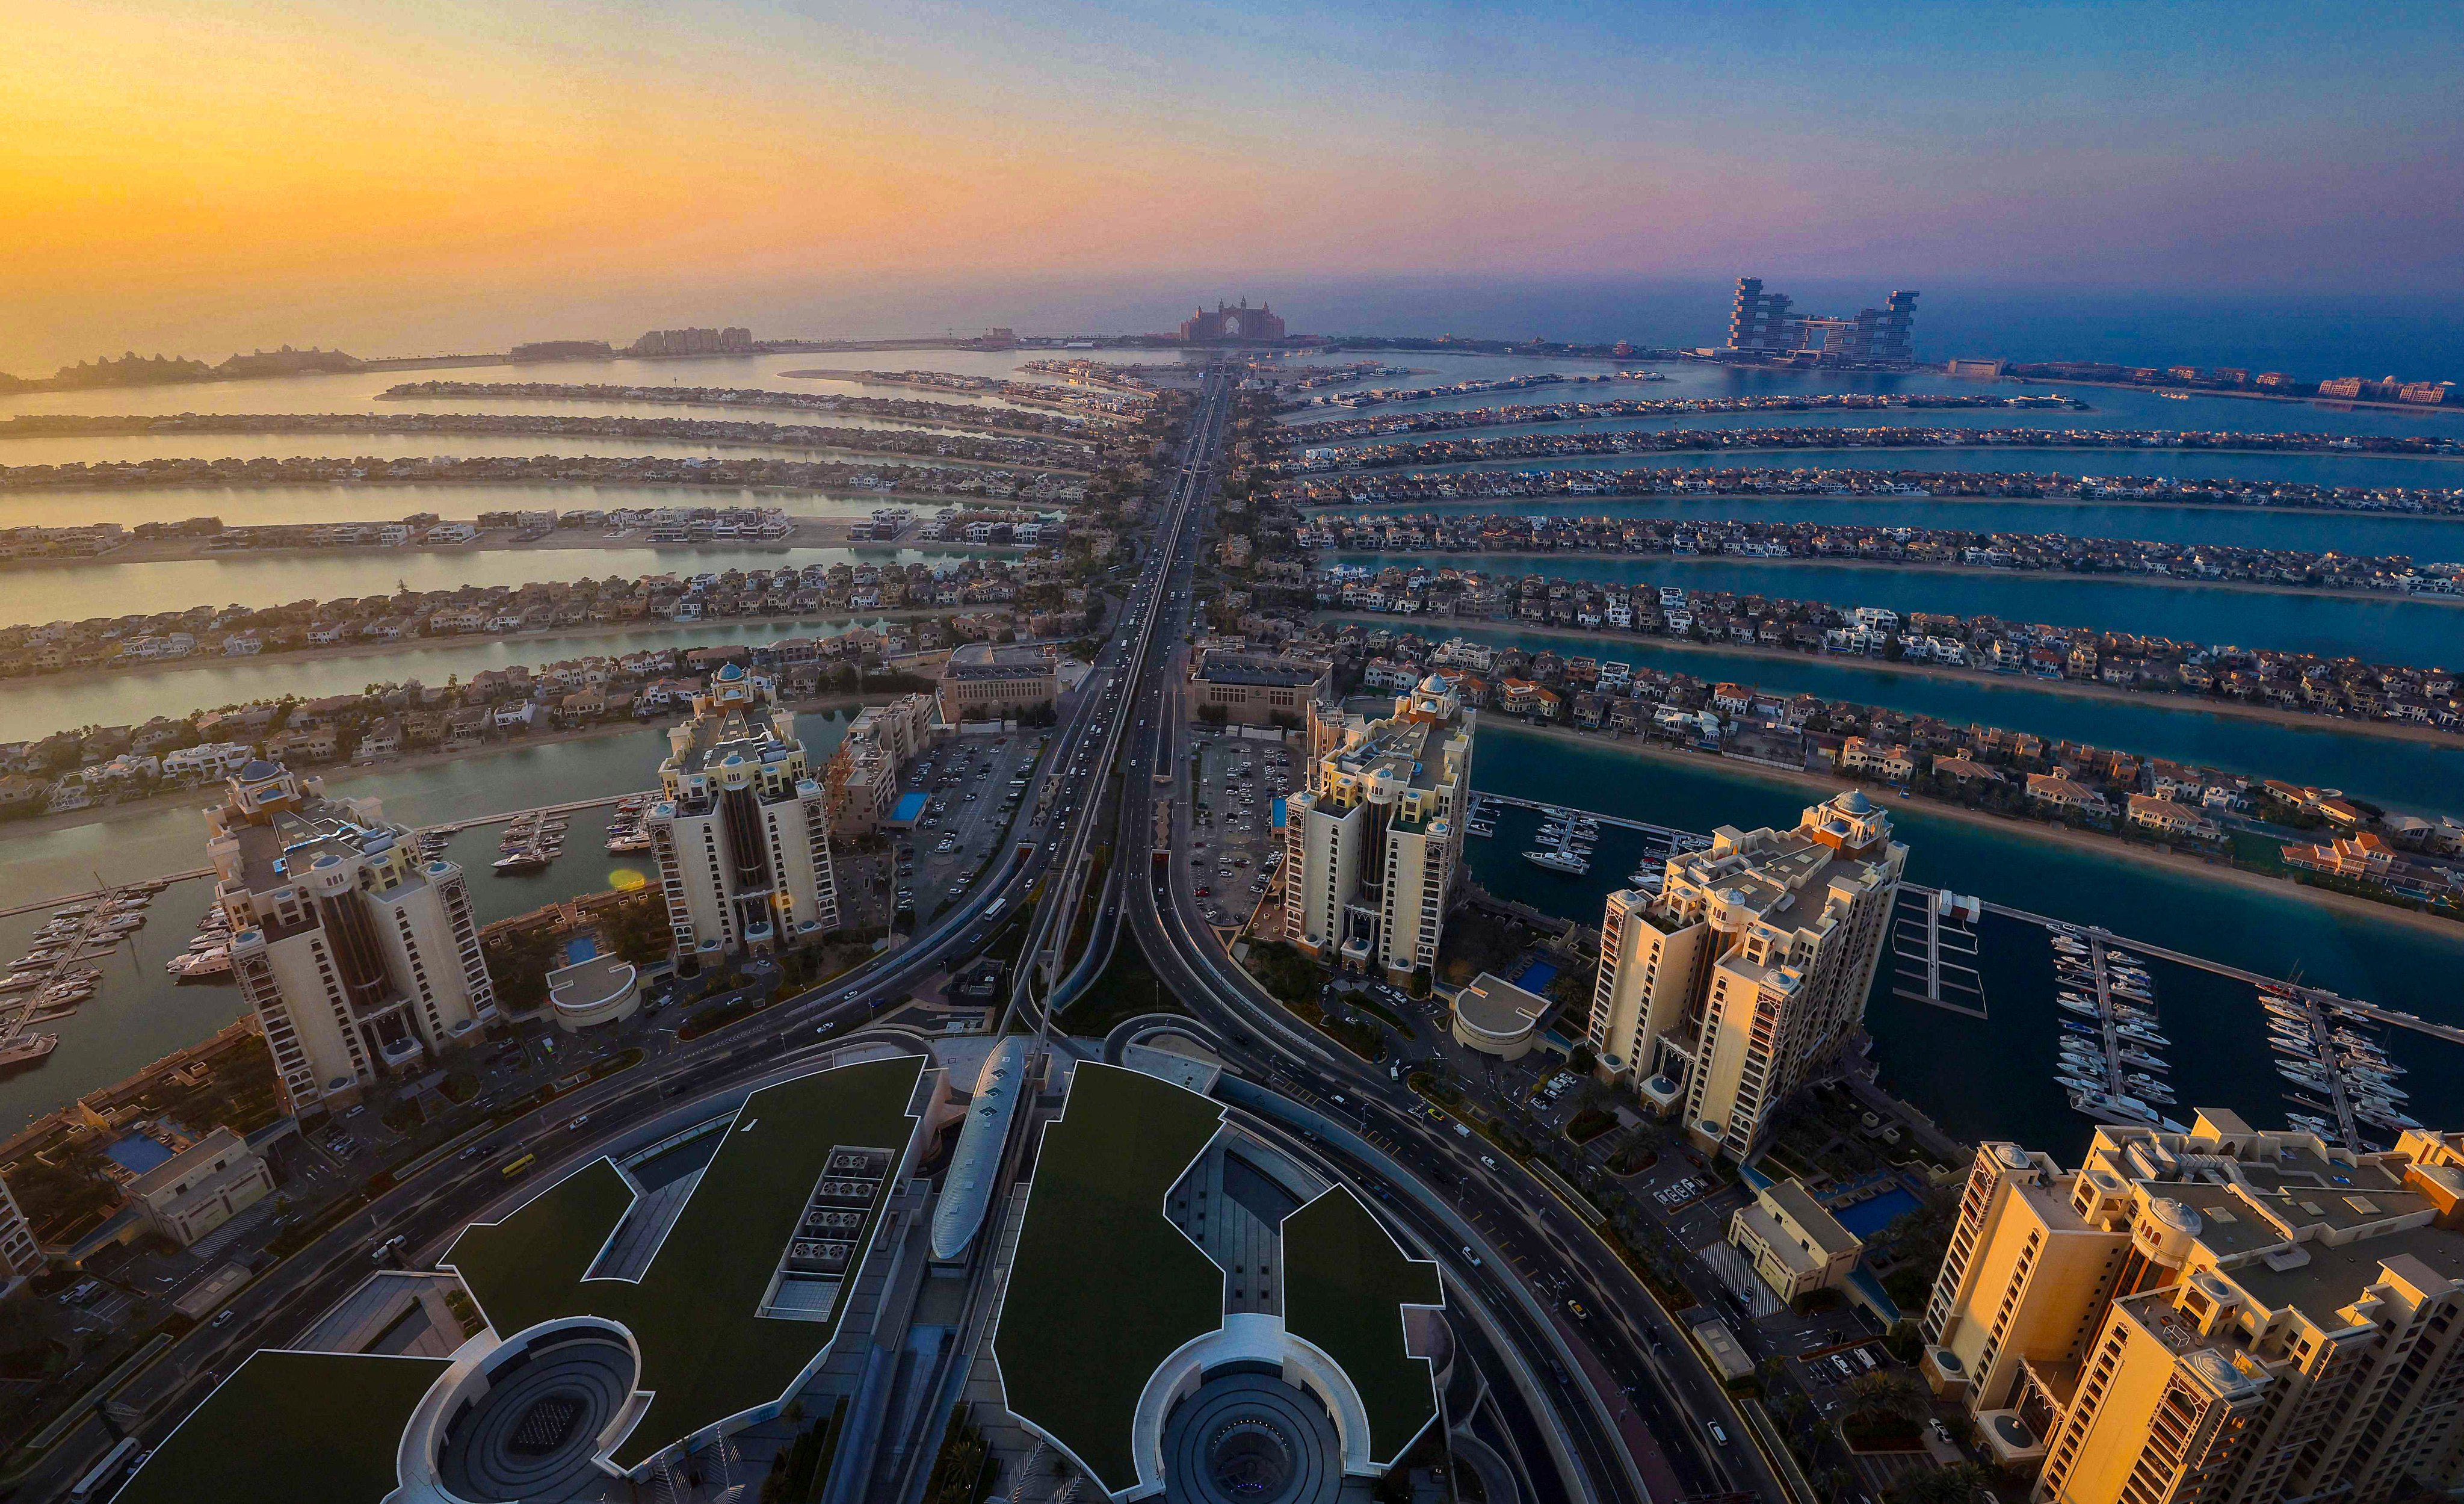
[[731, 673], [255, 769]]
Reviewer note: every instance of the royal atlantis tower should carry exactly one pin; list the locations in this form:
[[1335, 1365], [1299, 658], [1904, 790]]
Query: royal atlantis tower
[[1741, 979], [1371, 846], [360, 958], [2227, 1315], [742, 829]]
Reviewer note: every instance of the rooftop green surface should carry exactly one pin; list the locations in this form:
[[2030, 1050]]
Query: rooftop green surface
[[705, 1355], [1345, 1285], [303, 1428], [1104, 1288]]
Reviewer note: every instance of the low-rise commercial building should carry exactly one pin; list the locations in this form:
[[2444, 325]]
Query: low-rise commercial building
[[996, 684], [1257, 689], [1796, 1246], [203, 1187], [595, 989], [1495, 1017]]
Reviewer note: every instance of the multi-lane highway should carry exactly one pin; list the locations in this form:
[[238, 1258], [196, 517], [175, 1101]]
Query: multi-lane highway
[[1640, 1367], [1628, 1374]]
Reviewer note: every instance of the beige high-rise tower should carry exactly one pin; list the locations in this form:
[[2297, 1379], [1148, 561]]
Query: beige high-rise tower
[[742, 829], [1739, 980], [2221, 1316], [1373, 842], [358, 957]]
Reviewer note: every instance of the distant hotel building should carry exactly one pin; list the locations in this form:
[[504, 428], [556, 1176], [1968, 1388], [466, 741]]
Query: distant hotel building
[[2221, 1315], [741, 829], [359, 959], [1764, 323], [1372, 844], [1227, 324], [1743, 978], [694, 342]]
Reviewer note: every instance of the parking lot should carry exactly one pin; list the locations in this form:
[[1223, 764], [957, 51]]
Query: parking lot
[[1234, 850], [973, 784]]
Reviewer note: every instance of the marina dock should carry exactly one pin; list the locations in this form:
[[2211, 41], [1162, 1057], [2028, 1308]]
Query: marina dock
[[1942, 946], [1667, 837], [1936, 962]]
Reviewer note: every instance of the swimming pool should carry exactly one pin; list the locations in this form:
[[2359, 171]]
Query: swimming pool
[[1871, 1216], [1536, 977], [580, 948]]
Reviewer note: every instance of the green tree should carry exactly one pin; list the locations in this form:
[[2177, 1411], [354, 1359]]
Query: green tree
[[637, 928], [1961, 1483], [1892, 1397]]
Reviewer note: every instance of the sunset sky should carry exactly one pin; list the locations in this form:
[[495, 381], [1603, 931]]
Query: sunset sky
[[410, 175]]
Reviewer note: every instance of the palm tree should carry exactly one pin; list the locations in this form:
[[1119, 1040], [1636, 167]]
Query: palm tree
[[1880, 1398]]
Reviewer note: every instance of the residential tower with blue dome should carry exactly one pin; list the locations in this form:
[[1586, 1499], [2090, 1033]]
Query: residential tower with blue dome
[[741, 828]]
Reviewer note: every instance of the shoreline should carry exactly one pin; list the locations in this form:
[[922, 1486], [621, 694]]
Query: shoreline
[[1529, 461], [1470, 507], [829, 532], [344, 772], [2076, 840], [2331, 404], [1848, 561], [2390, 730], [73, 678]]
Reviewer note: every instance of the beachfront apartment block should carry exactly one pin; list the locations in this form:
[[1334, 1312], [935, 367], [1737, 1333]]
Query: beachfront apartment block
[[359, 958], [1374, 843], [21, 1257], [741, 828], [1742, 978], [2225, 1315]]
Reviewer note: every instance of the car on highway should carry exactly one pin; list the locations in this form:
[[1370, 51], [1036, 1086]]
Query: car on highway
[[1471, 1257], [1718, 1437]]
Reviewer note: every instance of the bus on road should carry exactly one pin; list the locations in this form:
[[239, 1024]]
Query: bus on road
[[98, 1483]]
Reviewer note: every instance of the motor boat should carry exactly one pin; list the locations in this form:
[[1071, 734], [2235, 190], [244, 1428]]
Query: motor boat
[[1559, 862]]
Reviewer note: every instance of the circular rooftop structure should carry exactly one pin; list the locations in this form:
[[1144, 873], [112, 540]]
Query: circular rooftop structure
[[1247, 1437], [534, 1431]]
